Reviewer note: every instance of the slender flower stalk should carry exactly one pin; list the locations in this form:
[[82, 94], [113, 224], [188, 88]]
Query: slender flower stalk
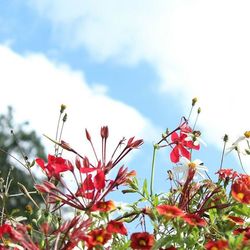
[[225, 139], [156, 146]]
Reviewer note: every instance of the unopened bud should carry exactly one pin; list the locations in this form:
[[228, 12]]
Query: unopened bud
[[65, 118], [194, 100], [63, 107], [199, 110], [225, 138], [65, 145], [87, 135], [104, 132], [247, 134]]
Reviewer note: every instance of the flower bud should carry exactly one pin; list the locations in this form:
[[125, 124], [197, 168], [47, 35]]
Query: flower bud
[[65, 118], [225, 138], [87, 135], [194, 100], [104, 132], [247, 134], [63, 107]]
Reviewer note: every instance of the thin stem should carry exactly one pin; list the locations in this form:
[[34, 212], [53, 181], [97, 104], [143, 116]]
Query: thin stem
[[190, 112], [153, 170], [223, 154], [118, 145], [57, 130], [2, 150], [196, 119], [94, 151]]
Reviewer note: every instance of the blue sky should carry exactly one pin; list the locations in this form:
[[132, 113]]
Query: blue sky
[[139, 63]]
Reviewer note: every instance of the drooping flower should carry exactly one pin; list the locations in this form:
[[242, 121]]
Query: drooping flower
[[186, 165], [142, 241], [116, 227], [217, 245], [169, 212], [194, 220]]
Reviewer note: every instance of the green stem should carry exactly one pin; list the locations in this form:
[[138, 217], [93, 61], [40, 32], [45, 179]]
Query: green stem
[[153, 169]]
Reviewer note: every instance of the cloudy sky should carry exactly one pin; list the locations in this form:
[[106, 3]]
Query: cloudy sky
[[132, 65]]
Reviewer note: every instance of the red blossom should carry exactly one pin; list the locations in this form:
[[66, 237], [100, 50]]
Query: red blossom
[[194, 220], [142, 241], [99, 180], [103, 206], [227, 174], [240, 189], [5, 229], [116, 227], [55, 166], [169, 212], [179, 148], [217, 245], [98, 237], [245, 231]]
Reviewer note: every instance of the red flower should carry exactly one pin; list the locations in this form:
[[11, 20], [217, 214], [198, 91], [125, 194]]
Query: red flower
[[217, 245], [194, 220], [142, 241], [99, 180], [5, 229], [116, 227], [98, 237], [55, 165], [179, 148], [87, 188], [240, 190], [227, 174], [169, 211], [103, 206]]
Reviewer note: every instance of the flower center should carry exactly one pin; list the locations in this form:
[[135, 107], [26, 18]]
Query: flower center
[[103, 205], [142, 242], [214, 248], [99, 238], [247, 134], [191, 165], [240, 196]]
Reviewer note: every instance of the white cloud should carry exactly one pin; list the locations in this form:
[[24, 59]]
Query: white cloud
[[199, 48], [36, 87]]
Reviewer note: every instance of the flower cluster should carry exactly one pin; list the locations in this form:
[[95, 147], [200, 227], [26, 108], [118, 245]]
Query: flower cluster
[[198, 212]]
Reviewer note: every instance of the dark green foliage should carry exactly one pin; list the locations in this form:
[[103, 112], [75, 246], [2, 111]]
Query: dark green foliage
[[22, 143]]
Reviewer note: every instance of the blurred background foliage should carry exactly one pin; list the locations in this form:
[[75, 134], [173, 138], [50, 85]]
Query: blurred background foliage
[[19, 141]]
